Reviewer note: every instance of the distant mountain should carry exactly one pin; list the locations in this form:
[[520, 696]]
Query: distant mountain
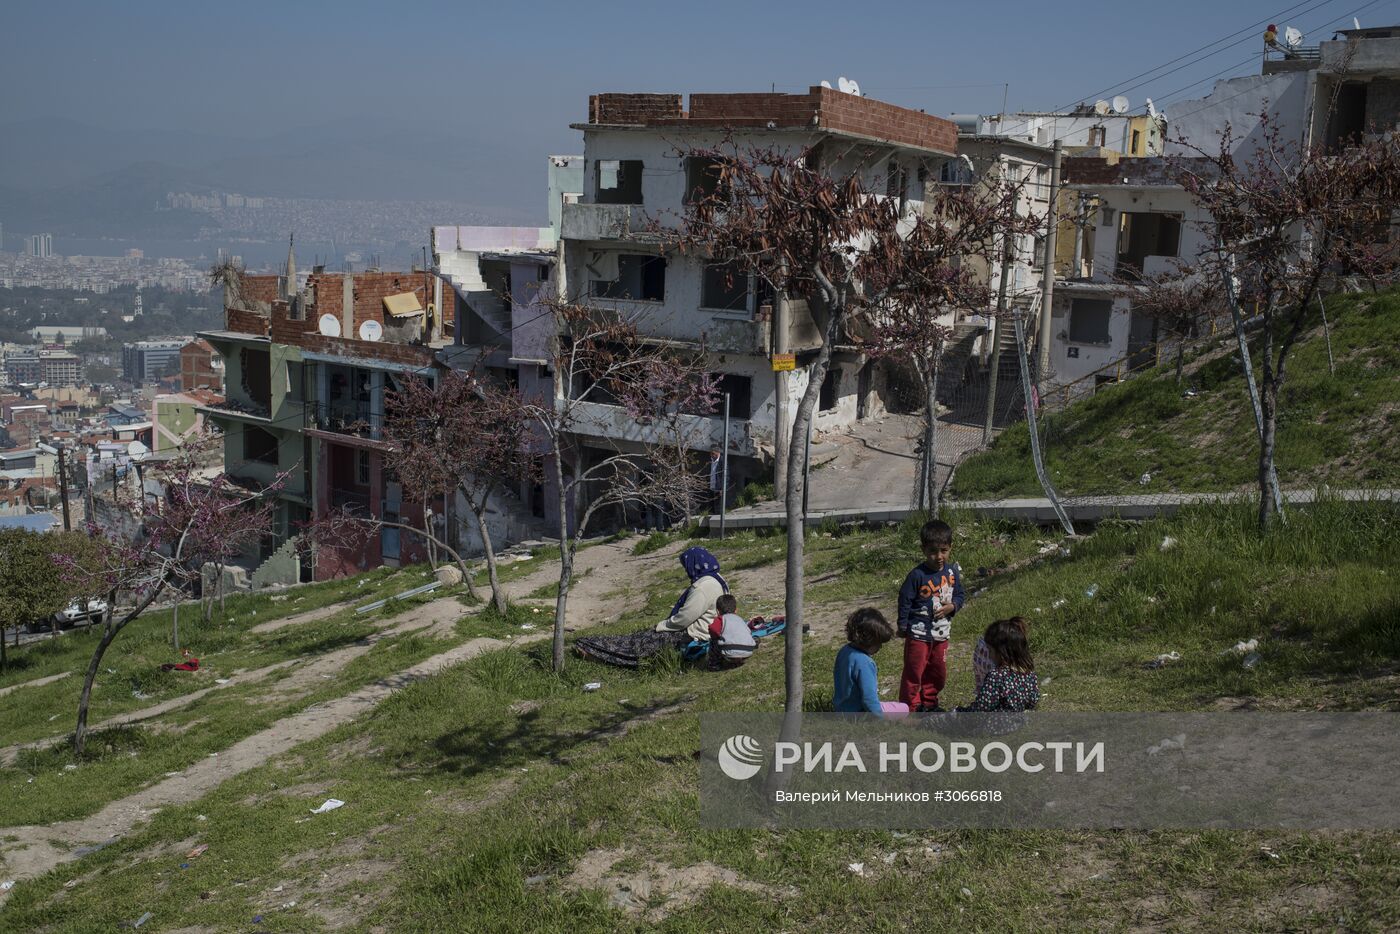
[[120, 203], [380, 158]]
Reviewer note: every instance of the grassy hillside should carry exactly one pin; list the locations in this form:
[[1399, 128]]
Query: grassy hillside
[[499, 797], [1337, 429]]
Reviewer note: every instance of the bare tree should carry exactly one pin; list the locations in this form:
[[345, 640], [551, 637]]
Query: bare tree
[[1288, 221], [606, 376]]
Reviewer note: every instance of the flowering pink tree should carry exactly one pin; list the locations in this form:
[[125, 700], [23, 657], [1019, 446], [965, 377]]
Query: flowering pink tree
[[195, 516], [856, 258], [602, 365], [464, 434]]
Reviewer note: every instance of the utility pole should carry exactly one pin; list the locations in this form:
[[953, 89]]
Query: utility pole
[[63, 486], [782, 314], [1006, 259], [1047, 273], [724, 470]]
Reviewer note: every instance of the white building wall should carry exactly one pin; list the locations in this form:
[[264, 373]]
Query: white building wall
[[1237, 103]]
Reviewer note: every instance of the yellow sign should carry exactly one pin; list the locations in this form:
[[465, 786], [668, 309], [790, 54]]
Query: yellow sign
[[784, 361]]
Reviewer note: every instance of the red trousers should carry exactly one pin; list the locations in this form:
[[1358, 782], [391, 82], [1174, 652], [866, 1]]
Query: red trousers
[[925, 672]]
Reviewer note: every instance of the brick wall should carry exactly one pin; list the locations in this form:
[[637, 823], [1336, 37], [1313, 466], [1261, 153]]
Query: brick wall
[[633, 108], [1089, 170], [245, 322], [260, 288], [196, 367], [832, 109]]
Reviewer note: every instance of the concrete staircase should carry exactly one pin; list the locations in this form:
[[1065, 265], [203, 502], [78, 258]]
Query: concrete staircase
[[462, 272]]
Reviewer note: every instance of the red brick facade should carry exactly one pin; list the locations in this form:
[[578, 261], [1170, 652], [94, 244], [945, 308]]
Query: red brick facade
[[197, 367], [820, 107]]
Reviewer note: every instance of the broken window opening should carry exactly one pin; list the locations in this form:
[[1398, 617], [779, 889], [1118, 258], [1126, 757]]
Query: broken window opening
[[826, 399], [726, 287], [1089, 320], [702, 176], [1143, 234], [619, 181], [639, 278], [740, 390], [259, 445]]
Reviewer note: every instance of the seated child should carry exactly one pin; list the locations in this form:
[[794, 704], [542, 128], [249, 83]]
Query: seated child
[[731, 642], [856, 692], [982, 656], [1011, 685]]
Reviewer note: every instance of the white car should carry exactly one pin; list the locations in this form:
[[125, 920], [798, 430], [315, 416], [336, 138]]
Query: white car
[[79, 611]]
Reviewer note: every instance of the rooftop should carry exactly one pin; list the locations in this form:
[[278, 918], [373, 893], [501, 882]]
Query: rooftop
[[820, 109]]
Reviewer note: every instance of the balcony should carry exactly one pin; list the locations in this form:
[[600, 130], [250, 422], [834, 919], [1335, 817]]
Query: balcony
[[352, 501], [344, 418], [247, 411], [605, 222], [701, 432]]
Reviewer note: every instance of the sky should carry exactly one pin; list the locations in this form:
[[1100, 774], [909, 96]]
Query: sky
[[510, 77]]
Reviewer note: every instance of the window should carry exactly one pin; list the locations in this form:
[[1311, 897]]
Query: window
[[257, 376], [259, 445], [1089, 319], [296, 387], [1042, 182], [1137, 141], [701, 178], [826, 399], [955, 172], [639, 278], [725, 286], [619, 181], [362, 468], [740, 389], [1098, 135]]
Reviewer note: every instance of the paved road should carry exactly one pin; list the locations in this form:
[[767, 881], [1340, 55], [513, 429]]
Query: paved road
[[873, 464], [1038, 509]]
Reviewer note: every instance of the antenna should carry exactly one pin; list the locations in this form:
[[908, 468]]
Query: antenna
[[1100, 107], [1151, 108], [1356, 23], [329, 325], [1120, 104], [371, 331]]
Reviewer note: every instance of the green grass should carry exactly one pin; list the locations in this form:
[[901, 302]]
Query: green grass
[[1334, 429], [473, 795]]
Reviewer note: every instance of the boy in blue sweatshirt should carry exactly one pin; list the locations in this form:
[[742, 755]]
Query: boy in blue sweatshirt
[[931, 594], [856, 691]]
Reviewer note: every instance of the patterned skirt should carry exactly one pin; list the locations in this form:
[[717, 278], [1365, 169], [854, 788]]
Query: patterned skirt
[[628, 651]]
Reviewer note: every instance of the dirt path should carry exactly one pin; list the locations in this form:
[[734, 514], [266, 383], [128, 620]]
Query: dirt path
[[31, 851], [37, 682]]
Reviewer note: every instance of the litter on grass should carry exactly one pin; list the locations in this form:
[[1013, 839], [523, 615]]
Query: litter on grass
[[1242, 648], [857, 868], [1168, 543], [593, 685], [330, 805], [1161, 661], [197, 851], [7, 885], [1251, 660]]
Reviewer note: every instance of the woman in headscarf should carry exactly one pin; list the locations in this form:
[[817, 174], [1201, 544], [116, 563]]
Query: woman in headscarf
[[689, 618], [695, 610]]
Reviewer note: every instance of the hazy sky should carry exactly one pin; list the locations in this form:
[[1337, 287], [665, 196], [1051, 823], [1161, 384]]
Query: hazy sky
[[512, 76]]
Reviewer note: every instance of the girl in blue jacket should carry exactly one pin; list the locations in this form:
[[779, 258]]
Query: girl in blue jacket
[[856, 691]]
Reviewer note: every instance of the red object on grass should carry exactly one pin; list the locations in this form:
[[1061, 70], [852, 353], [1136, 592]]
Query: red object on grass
[[191, 665]]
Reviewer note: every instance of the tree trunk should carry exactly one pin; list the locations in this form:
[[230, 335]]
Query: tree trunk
[[3, 658], [793, 573], [219, 587], [566, 563], [1268, 401], [930, 492], [175, 623], [1180, 358], [498, 594], [109, 633]]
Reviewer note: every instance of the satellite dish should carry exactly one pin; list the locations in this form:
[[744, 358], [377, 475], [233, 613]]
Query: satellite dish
[[854, 88], [826, 84], [329, 326], [843, 84], [371, 331], [1292, 37], [1151, 108], [1120, 104], [1100, 107]]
